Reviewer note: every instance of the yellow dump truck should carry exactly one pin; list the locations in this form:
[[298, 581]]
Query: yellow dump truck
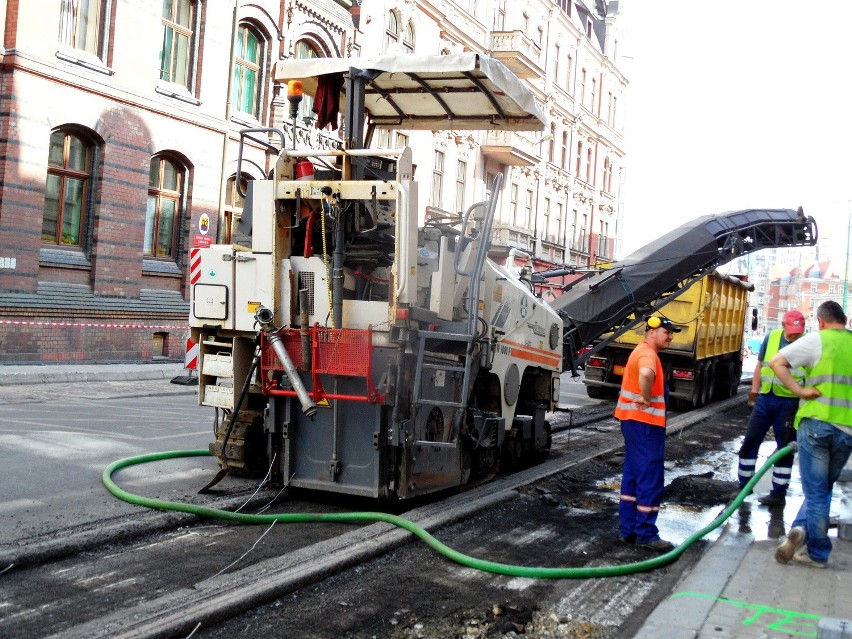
[[704, 361]]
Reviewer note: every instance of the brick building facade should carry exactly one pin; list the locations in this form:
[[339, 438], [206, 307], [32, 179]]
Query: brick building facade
[[118, 147], [119, 138]]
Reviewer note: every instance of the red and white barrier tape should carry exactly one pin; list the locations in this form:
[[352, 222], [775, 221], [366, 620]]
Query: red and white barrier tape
[[16, 322]]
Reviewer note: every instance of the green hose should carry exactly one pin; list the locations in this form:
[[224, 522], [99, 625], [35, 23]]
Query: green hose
[[454, 555]]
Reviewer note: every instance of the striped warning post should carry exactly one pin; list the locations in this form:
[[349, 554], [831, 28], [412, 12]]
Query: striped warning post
[[194, 265], [191, 359]]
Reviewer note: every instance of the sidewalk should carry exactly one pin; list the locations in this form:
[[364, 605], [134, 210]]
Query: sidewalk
[[53, 373], [738, 590]]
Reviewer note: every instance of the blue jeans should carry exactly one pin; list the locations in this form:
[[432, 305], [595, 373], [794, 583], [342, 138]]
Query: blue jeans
[[823, 453]]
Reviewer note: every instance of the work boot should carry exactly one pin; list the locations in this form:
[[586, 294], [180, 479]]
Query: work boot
[[629, 539], [658, 545], [803, 558], [772, 499], [795, 540]]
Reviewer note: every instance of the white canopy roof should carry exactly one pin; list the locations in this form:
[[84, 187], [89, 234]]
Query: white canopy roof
[[460, 91]]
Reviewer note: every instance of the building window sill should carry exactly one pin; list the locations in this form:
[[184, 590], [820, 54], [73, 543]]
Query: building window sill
[[84, 60]]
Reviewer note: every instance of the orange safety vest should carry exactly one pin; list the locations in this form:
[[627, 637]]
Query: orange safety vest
[[626, 408]]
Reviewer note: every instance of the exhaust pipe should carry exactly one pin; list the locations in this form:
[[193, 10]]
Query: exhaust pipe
[[264, 317]]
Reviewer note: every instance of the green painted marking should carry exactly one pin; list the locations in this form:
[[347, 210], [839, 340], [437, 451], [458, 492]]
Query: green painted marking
[[802, 624]]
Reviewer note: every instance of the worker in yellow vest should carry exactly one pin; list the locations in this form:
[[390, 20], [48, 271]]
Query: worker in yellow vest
[[772, 405], [641, 408], [824, 428]]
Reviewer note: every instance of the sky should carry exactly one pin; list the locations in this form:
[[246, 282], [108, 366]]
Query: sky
[[737, 104]]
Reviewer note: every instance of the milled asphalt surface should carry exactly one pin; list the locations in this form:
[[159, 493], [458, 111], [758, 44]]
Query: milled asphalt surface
[[736, 590]]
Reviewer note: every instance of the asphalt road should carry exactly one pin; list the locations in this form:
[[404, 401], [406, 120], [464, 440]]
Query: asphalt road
[[58, 438]]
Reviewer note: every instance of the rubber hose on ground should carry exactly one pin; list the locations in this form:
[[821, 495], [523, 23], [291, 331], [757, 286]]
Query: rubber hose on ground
[[454, 555]]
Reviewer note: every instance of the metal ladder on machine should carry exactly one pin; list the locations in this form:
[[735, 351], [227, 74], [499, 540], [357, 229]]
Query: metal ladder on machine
[[467, 337]]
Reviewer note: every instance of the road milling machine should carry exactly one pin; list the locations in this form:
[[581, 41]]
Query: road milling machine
[[348, 349]]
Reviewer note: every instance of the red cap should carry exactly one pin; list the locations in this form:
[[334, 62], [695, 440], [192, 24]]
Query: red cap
[[794, 322]]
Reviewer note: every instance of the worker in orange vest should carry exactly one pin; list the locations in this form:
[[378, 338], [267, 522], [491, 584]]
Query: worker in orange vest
[[641, 408]]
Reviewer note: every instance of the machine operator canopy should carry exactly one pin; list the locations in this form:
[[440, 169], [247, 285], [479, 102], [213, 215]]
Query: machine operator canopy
[[428, 92]]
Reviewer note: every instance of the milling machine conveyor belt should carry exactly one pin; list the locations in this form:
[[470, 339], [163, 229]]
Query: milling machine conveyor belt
[[643, 280]]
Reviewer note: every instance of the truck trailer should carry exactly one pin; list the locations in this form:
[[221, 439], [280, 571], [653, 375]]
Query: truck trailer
[[704, 360]]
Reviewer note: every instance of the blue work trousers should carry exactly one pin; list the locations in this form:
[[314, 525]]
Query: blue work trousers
[[823, 452], [643, 480], [776, 412]]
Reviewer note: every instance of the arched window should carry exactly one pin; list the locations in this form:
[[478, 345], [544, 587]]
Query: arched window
[[305, 49], [408, 37], [248, 69], [162, 218], [392, 31], [69, 171]]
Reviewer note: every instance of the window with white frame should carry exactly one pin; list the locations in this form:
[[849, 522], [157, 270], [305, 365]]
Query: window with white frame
[[81, 25], [573, 225], [556, 59], [589, 155], [582, 86], [551, 144], [461, 180], [500, 17], [564, 159], [392, 30], [408, 37], [546, 231], [560, 232], [247, 81], [578, 160], [570, 72], [176, 54], [528, 205], [593, 106], [438, 180], [513, 203]]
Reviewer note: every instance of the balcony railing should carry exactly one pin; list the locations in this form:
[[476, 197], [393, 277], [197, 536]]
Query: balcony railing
[[509, 148], [518, 52]]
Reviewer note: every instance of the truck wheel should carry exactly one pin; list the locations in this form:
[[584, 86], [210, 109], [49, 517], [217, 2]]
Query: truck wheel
[[724, 380], [735, 378], [596, 392], [709, 382], [698, 388]]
